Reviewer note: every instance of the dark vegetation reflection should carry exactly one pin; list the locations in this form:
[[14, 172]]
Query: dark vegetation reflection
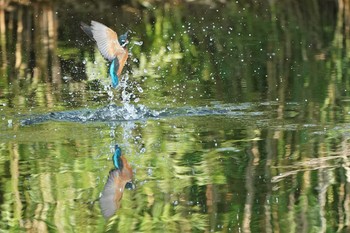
[[197, 174]]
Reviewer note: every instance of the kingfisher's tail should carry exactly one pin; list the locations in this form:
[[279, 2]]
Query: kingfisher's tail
[[117, 161], [115, 80], [113, 72]]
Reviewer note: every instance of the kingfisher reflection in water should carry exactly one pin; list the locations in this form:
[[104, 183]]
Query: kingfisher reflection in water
[[119, 178]]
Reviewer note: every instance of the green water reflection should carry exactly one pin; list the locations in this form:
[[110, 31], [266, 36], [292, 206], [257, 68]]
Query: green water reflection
[[281, 168]]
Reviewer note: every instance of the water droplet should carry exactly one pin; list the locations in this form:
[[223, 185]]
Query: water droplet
[[139, 43], [140, 89]]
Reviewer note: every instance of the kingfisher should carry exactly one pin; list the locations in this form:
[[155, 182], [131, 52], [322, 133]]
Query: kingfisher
[[110, 46], [119, 178]]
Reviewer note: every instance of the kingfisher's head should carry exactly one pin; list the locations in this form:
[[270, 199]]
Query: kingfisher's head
[[123, 39]]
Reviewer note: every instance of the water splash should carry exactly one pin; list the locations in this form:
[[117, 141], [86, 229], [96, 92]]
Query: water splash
[[138, 43], [109, 92], [129, 110]]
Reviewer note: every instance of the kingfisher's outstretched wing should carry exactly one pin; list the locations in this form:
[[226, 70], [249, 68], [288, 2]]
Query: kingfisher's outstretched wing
[[106, 40]]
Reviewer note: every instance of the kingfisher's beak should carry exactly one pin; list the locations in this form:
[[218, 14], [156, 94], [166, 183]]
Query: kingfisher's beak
[[125, 43]]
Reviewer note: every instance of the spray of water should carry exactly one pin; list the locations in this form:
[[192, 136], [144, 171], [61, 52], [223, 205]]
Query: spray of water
[[129, 110]]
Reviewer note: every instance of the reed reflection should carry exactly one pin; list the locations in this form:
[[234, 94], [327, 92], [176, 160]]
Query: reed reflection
[[29, 39], [119, 178], [28, 43]]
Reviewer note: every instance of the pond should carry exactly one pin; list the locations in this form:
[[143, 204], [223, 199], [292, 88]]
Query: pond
[[233, 116]]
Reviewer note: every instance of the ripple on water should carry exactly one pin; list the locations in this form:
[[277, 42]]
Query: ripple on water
[[130, 112]]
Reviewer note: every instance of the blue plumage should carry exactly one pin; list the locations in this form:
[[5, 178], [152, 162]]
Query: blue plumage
[[113, 69], [116, 158]]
